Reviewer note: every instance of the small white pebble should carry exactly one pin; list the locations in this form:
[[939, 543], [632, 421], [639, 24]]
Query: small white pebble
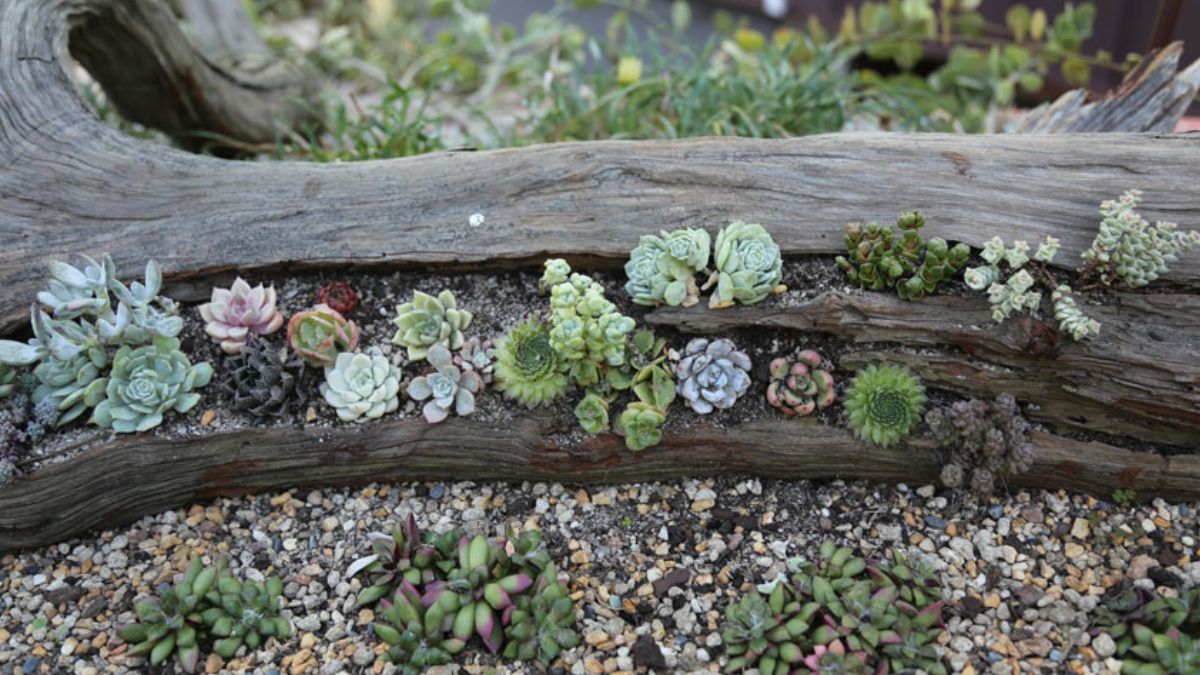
[[475, 220]]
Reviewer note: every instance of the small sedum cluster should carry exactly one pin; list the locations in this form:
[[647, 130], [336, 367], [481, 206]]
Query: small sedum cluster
[[586, 330], [986, 442], [876, 259], [884, 404], [1131, 250]]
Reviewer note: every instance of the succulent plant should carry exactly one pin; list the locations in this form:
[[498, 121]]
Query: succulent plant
[[446, 388], [876, 259], [712, 374], [586, 330], [429, 321], [527, 368], [43, 417], [147, 382], [320, 334], [592, 413], [1129, 249], [748, 264], [884, 403], [339, 296], [237, 314], [248, 614], [484, 583], [542, 624], [662, 269], [74, 385], [262, 383], [799, 386], [406, 554], [641, 425], [478, 356], [556, 271], [361, 385], [415, 632], [8, 380], [1071, 319], [1154, 635], [983, 441]]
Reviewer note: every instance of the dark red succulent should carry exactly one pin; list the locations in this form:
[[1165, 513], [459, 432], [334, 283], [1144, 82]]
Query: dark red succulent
[[339, 295]]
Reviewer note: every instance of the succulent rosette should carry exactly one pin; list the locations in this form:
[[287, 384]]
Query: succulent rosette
[[447, 388], [712, 374], [361, 386], [147, 382], [237, 314], [320, 334], [749, 265]]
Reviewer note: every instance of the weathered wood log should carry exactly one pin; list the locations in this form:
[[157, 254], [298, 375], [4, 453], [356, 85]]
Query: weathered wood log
[[128, 477], [1141, 378]]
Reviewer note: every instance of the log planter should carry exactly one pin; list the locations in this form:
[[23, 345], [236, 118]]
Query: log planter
[[71, 185]]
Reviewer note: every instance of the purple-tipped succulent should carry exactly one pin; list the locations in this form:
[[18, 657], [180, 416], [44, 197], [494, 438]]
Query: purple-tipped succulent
[[800, 386], [712, 374], [447, 388], [237, 314]]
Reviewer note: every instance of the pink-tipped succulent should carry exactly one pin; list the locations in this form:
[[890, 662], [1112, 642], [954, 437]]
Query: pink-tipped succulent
[[800, 386], [833, 657], [237, 314], [320, 334]]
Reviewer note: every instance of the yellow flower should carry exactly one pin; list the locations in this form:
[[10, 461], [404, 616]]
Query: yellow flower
[[749, 39], [629, 70]]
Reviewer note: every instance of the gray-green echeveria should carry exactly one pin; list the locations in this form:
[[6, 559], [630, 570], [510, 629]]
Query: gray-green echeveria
[[712, 374], [361, 385], [428, 321], [146, 382], [749, 265], [662, 269], [447, 388]]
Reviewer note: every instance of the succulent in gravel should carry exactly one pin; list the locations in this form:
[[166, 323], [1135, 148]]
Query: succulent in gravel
[[983, 442], [406, 554], [527, 368], [484, 582], [1153, 634], [339, 296], [416, 633], [1129, 249], [147, 382], [542, 624], [318, 335], [446, 388], [239, 313], [262, 383], [429, 321], [839, 613], [478, 356], [748, 264], [586, 330], [799, 386], [876, 259], [884, 403], [662, 269], [248, 614], [362, 385], [641, 425], [712, 374]]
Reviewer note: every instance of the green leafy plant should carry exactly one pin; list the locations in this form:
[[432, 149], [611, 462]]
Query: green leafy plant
[[838, 613], [362, 385], [748, 265], [447, 387], [592, 413], [206, 603], [1154, 635], [429, 321], [1124, 497], [985, 442], [884, 403], [527, 368], [662, 269], [712, 374], [876, 258], [262, 383], [641, 425], [147, 382], [542, 623], [799, 386], [320, 334]]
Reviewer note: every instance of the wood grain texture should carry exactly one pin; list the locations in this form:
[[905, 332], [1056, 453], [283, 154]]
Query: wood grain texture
[[1140, 378], [127, 477]]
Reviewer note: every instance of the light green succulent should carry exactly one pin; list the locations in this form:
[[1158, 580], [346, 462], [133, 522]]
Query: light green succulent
[[641, 425], [428, 321], [662, 269], [1070, 318], [361, 385], [8, 380], [1131, 250], [749, 265], [527, 368], [586, 330], [884, 403], [1013, 296], [146, 382], [592, 413], [556, 272]]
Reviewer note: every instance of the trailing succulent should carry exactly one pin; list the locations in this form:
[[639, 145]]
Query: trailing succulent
[[263, 383], [839, 614], [446, 388], [748, 264], [145, 383], [799, 386], [986, 442], [362, 385], [1154, 635], [237, 314], [876, 259], [662, 269], [83, 316], [527, 367], [712, 374], [429, 321], [438, 592], [884, 403], [320, 334], [207, 605]]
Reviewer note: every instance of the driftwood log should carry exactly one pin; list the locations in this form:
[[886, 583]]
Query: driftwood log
[[69, 184]]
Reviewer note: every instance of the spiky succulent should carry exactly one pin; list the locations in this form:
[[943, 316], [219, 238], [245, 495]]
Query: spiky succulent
[[528, 369], [1129, 249], [406, 554], [983, 442], [839, 613], [239, 313], [478, 356], [641, 425], [262, 383], [416, 633], [207, 602], [362, 385], [446, 388], [429, 321], [799, 386], [338, 295], [1154, 635], [876, 259], [712, 374], [320, 334], [884, 403], [662, 269], [748, 264], [484, 582], [147, 382], [542, 625], [586, 330]]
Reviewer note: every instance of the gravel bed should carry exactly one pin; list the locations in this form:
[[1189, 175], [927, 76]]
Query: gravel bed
[[653, 567]]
